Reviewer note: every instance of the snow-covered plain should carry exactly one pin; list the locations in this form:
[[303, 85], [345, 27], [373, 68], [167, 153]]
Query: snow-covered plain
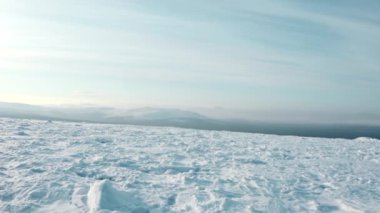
[[78, 167]]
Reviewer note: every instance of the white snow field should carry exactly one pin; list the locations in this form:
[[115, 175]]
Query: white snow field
[[79, 167]]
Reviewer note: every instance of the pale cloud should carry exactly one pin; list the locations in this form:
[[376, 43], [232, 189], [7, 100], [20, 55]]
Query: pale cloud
[[241, 54]]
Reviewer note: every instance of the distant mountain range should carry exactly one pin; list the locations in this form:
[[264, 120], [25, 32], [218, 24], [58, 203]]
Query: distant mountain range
[[142, 116], [182, 118]]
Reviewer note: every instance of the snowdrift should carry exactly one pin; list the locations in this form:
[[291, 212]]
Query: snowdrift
[[78, 167]]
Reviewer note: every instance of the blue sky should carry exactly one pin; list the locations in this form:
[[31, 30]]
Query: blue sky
[[236, 55]]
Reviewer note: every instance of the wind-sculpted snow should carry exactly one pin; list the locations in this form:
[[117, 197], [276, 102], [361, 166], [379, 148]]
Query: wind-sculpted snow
[[77, 167]]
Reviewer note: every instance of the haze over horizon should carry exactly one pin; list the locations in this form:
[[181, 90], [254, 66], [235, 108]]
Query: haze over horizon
[[284, 60]]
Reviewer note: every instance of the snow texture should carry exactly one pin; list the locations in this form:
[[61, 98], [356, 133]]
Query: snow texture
[[78, 167]]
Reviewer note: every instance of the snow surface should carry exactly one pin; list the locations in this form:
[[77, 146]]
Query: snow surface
[[78, 167]]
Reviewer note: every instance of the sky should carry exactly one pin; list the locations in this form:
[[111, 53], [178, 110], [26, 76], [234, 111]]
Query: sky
[[242, 56]]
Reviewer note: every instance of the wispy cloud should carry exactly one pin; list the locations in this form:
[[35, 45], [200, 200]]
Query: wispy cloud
[[241, 54]]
